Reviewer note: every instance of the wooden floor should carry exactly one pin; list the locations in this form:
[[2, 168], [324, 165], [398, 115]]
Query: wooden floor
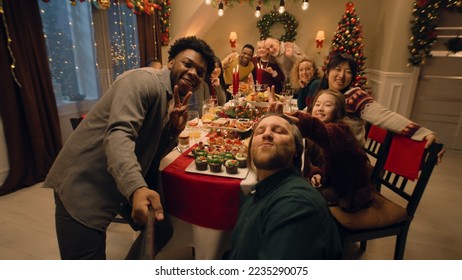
[[27, 229]]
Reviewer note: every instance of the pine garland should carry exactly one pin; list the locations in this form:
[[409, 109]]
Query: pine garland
[[139, 7], [426, 15], [288, 21]]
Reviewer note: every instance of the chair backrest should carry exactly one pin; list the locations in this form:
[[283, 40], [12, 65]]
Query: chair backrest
[[405, 168], [375, 138], [75, 122]]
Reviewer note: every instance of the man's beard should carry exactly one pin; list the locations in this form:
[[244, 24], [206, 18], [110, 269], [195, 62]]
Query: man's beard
[[267, 161]]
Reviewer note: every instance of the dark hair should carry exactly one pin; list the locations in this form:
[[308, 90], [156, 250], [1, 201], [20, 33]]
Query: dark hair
[[298, 141], [194, 43], [340, 103], [335, 61], [249, 46], [221, 77]]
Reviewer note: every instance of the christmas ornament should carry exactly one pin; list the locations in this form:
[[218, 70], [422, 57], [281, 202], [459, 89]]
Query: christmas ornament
[[101, 4]]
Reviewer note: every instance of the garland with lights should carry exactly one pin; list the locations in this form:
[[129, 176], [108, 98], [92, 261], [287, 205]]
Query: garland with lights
[[8, 42], [288, 21], [426, 15], [139, 7]]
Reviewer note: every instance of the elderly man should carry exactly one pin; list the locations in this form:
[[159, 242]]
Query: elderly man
[[284, 217], [285, 53]]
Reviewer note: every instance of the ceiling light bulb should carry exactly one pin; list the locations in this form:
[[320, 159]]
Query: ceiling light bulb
[[208, 2], [305, 5], [258, 11], [220, 9], [281, 6]]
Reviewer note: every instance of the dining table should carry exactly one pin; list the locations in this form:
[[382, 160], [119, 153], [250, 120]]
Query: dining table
[[201, 206], [204, 207]]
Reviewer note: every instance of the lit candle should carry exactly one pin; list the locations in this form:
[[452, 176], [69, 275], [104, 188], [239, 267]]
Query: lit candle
[[235, 81]]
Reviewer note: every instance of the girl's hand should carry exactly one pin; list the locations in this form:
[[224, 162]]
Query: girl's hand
[[316, 180]]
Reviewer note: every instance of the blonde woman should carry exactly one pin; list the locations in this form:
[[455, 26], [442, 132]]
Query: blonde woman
[[303, 74]]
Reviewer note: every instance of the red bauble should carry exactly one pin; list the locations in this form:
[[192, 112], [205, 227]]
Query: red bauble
[[129, 4]]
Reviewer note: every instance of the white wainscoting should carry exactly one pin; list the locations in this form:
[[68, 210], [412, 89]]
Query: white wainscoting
[[394, 90]]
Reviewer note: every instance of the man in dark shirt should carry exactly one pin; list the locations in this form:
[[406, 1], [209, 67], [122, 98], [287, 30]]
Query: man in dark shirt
[[284, 217]]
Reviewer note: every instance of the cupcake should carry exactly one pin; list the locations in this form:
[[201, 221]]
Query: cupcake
[[201, 163], [199, 150], [215, 162], [242, 160], [228, 155], [231, 166]]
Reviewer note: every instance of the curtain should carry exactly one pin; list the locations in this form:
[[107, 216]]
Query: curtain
[[149, 37], [28, 110]]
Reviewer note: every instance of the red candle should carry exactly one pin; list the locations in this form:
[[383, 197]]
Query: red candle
[[235, 81], [259, 73]]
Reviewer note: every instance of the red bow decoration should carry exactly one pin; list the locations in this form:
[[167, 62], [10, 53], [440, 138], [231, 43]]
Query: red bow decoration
[[233, 43], [350, 7], [319, 43]]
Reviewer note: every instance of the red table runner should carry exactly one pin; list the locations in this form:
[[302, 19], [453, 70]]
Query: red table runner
[[203, 200]]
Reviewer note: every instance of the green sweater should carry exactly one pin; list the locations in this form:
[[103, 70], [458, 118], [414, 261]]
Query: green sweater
[[285, 218]]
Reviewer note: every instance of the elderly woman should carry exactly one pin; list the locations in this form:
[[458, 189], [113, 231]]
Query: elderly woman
[[271, 74]]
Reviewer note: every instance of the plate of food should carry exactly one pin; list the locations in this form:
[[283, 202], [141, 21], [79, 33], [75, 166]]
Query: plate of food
[[238, 125], [261, 98], [223, 165]]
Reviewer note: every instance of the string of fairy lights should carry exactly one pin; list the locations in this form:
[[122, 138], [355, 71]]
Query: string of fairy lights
[[9, 41], [123, 45], [61, 47]]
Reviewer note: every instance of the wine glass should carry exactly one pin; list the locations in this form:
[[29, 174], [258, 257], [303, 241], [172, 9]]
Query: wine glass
[[287, 96], [193, 125]]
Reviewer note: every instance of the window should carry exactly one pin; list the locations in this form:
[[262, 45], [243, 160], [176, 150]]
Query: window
[[71, 51], [123, 37]]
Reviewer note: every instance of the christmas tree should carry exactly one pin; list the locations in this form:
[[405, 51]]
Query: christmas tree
[[348, 38]]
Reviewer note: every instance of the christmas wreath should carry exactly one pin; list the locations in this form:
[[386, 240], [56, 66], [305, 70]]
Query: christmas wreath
[[288, 21]]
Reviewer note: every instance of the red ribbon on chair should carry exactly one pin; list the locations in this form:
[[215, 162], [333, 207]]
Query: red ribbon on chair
[[405, 157], [376, 133], [203, 200]]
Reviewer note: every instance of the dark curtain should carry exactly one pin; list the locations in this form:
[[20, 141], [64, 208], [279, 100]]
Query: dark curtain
[[149, 37], [29, 113]]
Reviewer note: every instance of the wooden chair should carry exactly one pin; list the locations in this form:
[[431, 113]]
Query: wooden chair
[[374, 140], [391, 212], [75, 122]]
